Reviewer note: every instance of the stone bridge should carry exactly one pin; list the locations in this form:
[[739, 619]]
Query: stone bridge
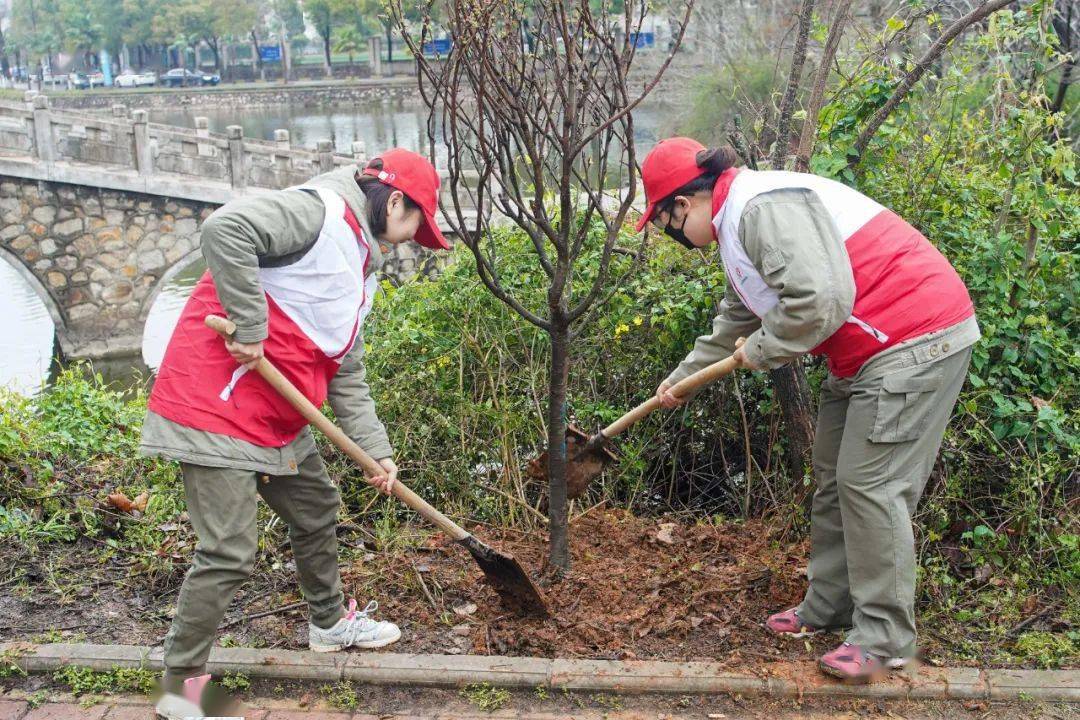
[[99, 211]]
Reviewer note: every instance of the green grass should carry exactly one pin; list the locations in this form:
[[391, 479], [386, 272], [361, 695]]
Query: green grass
[[485, 697], [84, 681], [342, 696]]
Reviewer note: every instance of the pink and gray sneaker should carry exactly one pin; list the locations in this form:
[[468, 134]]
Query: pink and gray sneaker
[[185, 705], [851, 663], [789, 624]]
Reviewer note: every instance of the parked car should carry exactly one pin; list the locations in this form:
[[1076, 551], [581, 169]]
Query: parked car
[[179, 77], [50, 79], [78, 80], [130, 78], [97, 79]]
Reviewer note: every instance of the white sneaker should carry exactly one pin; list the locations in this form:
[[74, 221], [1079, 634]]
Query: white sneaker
[[171, 706], [356, 629]]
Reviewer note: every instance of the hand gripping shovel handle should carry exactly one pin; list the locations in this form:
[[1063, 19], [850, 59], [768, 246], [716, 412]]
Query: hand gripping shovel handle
[[225, 328], [702, 377]]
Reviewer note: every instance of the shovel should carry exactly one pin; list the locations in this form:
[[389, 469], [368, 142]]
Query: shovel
[[504, 573], [587, 456]]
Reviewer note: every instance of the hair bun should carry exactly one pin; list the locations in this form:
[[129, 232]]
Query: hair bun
[[716, 160]]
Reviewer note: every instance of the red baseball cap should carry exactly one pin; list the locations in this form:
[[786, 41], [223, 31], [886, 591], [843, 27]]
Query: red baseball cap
[[667, 167], [415, 176]]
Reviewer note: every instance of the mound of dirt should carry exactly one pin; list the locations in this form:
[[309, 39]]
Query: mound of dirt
[[638, 588]]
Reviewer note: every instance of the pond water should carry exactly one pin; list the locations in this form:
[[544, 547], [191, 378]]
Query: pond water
[[27, 333]]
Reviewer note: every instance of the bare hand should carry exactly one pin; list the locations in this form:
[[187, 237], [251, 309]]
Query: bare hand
[[247, 354], [385, 483], [741, 358], [666, 398]]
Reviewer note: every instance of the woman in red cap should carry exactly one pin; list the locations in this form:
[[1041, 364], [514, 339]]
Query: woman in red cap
[[816, 267], [296, 271]]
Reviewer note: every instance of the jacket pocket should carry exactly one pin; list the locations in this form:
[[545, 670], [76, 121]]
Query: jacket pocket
[[905, 403]]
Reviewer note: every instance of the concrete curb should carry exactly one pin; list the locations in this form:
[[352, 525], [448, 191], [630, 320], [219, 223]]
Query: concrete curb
[[795, 679]]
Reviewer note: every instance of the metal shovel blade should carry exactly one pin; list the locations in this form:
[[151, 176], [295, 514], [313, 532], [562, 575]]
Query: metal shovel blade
[[586, 458], [516, 590]]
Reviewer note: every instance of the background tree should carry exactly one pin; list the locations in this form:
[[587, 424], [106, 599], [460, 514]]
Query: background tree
[[1066, 23], [287, 22], [550, 135], [35, 32], [322, 14], [349, 42], [82, 29]]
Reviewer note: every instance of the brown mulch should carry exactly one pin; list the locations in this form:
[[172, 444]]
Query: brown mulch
[[638, 588]]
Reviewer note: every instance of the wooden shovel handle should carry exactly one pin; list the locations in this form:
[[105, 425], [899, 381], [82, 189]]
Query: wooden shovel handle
[[702, 377], [225, 328]]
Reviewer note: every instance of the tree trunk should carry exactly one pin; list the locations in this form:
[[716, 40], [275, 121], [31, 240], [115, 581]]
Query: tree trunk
[[389, 47], [559, 552], [5, 67], [796, 404], [326, 54], [286, 60], [258, 57], [1063, 87], [217, 55], [787, 104]]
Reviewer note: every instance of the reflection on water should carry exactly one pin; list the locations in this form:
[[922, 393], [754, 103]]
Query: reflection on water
[[26, 344], [165, 312], [379, 125]]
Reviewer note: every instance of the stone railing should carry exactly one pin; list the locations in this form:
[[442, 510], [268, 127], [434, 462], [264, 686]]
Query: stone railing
[[127, 141], [124, 151]]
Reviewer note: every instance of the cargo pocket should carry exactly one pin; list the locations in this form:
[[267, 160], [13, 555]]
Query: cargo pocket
[[905, 404]]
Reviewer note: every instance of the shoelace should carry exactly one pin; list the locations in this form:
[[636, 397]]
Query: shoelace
[[353, 629], [369, 609]]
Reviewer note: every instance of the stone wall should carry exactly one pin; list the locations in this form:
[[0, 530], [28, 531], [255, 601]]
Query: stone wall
[[100, 254], [246, 96]]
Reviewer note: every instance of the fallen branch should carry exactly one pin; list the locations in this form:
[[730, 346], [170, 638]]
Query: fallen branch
[[265, 613]]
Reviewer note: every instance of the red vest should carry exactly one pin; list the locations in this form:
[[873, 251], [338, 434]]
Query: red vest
[[316, 309], [904, 287]]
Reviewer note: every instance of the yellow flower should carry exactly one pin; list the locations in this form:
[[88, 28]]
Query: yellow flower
[[621, 328], [638, 321]]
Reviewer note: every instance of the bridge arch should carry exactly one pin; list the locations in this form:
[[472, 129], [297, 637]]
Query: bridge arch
[[50, 303]]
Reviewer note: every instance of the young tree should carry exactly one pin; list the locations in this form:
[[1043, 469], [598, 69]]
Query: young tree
[[549, 133]]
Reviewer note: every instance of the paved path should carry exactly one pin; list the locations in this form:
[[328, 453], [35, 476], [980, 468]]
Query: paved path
[[727, 709]]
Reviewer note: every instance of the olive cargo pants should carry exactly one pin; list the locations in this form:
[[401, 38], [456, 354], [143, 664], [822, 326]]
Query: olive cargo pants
[[878, 435], [222, 504]]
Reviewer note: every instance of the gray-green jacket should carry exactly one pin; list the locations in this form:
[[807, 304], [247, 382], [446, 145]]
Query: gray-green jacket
[[273, 228], [791, 236]]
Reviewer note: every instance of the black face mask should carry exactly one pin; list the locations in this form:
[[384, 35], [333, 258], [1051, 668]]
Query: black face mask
[[677, 234]]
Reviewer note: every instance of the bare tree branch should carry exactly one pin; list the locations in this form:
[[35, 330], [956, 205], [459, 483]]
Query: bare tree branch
[[924, 63], [787, 104], [817, 95]]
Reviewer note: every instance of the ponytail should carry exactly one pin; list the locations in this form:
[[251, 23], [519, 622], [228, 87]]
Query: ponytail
[[716, 160]]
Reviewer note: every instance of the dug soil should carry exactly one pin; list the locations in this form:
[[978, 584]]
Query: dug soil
[[638, 588]]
